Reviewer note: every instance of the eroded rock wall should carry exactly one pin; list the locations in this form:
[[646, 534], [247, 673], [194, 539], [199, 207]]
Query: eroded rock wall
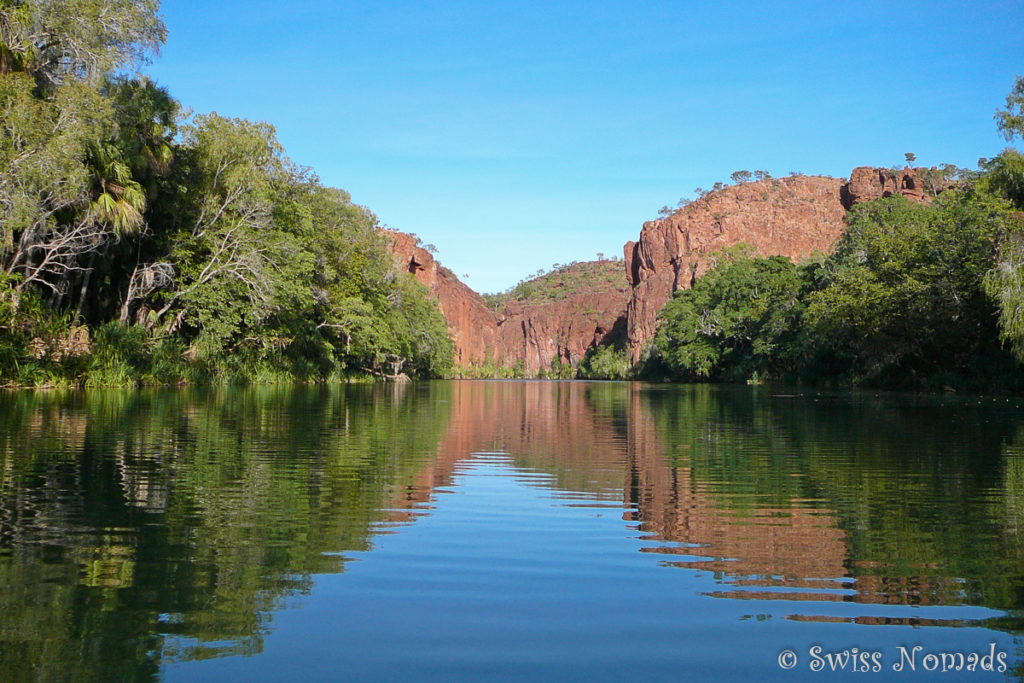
[[537, 333], [794, 217], [533, 333], [471, 324]]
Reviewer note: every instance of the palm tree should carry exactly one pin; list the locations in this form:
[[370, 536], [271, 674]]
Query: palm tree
[[126, 169], [118, 204]]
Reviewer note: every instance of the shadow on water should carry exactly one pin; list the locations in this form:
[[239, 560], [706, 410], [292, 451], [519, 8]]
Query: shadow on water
[[143, 527]]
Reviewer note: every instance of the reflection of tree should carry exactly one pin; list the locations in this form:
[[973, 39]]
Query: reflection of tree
[[135, 526], [905, 479], [881, 496]]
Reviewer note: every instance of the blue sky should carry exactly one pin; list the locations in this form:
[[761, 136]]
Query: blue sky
[[516, 135]]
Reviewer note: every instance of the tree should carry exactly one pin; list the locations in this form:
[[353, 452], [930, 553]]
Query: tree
[[910, 158], [1005, 284], [45, 196], [1010, 121], [232, 262], [77, 39], [735, 321], [903, 294], [1004, 176], [740, 177], [605, 362]]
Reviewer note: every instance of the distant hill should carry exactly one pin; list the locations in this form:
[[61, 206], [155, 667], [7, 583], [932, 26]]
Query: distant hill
[[589, 277]]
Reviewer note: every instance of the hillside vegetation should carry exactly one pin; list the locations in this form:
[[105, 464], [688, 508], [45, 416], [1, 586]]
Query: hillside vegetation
[[563, 282]]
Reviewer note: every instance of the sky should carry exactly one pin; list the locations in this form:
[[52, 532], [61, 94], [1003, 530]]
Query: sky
[[516, 135]]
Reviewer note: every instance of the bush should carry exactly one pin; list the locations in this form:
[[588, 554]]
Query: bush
[[606, 362]]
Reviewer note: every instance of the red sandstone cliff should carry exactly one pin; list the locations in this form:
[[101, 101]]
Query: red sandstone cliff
[[537, 333], [794, 217], [562, 314], [471, 324], [791, 217], [532, 332]]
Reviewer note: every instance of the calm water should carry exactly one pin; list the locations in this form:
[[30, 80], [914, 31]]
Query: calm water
[[508, 530]]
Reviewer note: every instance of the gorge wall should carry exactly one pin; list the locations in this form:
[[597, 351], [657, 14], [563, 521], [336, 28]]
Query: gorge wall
[[793, 217], [565, 324], [530, 333], [471, 324]]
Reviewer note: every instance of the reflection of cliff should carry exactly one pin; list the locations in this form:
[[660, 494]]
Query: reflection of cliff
[[548, 426], [142, 526], [800, 544], [884, 492], [601, 439], [793, 494]]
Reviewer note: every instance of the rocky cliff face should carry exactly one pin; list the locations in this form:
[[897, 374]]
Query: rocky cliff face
[[563, 313], [472, 325], [793, 217], [867, 183], [531, 332], [535, 334]]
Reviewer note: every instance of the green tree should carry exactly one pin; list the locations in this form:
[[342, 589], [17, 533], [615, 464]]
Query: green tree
[[903, 298], [1010, 121], [77, 39], [740, 177], [233, 265], [736, 321], [45, 190], [606, 362], [1004, 176]]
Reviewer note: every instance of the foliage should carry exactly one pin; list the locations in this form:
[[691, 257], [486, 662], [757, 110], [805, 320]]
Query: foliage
[[740, 318], [77, 39], [915, 295], [606, 362], [564, 281], [1004, 176], [1010, 121], [902, 296], [559, 370], [1005, 285], [191, 249]]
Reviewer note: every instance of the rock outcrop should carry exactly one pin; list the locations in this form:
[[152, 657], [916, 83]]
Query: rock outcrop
[[529, 333], [535, 334], [793, 217], [471, 324], [867, 183]]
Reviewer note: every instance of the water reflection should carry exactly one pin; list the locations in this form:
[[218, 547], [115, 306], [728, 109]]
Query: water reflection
[[138, 528]]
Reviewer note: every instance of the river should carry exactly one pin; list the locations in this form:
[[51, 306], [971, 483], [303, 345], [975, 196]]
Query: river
[[509, 530]]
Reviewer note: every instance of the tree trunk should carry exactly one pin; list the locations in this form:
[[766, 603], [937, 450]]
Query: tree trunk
[[85, 288], [128, 296]]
